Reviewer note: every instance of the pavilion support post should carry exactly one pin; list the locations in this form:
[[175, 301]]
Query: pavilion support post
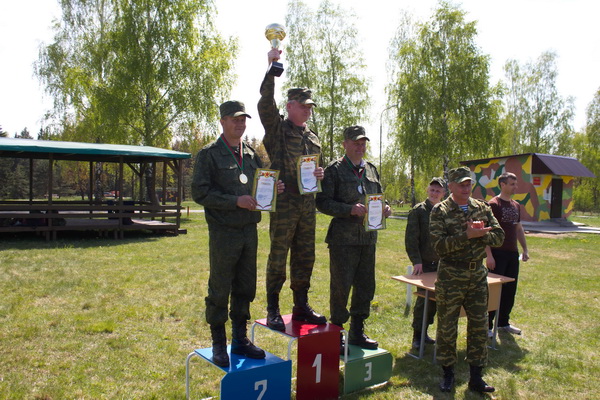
[[30, 181], [164, 186], [179, 173], [50, 195]]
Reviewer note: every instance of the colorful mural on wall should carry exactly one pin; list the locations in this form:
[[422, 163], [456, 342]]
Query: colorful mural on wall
[[534, 191]]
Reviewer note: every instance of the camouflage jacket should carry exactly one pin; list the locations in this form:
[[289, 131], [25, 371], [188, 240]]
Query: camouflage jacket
[[216, 185], [448, 229], [284, 141], [417, 239], [340, 193]]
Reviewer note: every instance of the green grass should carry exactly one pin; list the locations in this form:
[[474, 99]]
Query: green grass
[[90, 318]]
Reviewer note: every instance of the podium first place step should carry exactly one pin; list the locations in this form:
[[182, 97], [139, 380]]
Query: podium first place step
[[317, 368]]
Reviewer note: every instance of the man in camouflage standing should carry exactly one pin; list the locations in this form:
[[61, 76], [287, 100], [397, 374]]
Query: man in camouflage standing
[[292, 226], [351, 248], [222, 183], [421, 254], [461, 227]]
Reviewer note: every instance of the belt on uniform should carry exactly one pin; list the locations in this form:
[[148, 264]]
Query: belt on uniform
[[472, 264]]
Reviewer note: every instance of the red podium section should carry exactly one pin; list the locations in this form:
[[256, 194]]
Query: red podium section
[[317, 372]]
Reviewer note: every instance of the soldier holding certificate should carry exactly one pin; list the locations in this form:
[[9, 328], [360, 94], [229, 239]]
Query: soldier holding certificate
[[351, 247], [222, 183], [292, 226]]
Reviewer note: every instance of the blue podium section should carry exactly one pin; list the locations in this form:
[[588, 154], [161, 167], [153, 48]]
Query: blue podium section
[[247, 378]]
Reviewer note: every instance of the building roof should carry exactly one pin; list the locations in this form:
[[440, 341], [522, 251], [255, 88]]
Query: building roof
[[42, 149], [547, 164]]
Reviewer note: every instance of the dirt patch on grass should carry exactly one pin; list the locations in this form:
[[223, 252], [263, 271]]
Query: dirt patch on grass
[[550, 235]]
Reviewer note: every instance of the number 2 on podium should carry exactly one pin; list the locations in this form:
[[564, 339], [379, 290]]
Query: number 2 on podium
[[257, 386], [317, 365]]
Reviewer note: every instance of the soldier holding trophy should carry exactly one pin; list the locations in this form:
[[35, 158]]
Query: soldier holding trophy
[[288, 142]]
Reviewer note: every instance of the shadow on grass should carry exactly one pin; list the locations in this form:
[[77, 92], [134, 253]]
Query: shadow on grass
[[76, 239], [424, 375]]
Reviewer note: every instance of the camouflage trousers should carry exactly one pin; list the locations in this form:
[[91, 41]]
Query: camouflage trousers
[[292, 229], [417, 323], [351, 267], [232, 271], [458, 286]]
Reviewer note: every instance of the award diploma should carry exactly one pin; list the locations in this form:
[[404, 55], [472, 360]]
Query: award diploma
[[375, 219], [264, 189], [307, 181]]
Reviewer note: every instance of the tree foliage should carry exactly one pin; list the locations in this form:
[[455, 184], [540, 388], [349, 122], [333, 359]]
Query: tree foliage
[[131, 71], [447, 110], [537, 119], [323, 53], [587, 145]]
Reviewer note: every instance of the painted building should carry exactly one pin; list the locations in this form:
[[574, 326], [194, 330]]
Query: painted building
[[545, 182]]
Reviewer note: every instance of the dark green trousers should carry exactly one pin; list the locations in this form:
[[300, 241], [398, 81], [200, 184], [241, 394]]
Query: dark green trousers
[[420, 303], [232, 273], [351, 267]]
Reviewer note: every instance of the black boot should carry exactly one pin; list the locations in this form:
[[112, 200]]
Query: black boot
[[416, 344], [219, 346], [476, 383], [274, 320], [241, 344], [448, 380], [357, 335], [303, 312]]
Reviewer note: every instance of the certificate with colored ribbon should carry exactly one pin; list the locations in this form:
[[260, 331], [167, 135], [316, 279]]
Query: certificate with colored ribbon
[[264, 189], [375, 218], [307, 181]]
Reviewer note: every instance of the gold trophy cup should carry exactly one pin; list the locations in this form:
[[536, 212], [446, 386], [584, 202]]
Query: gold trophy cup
[[275, 34]]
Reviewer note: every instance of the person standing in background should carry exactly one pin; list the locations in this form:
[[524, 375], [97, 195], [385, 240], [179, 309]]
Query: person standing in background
[[423, 257], [504, 260]]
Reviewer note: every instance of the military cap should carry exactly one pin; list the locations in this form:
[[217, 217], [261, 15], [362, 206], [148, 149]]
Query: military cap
[[301, 95], [438, 181], [459, 174], [233, 108], [355, 132]]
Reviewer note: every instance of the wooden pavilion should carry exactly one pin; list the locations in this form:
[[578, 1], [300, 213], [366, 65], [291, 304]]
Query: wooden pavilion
[[52, 215]]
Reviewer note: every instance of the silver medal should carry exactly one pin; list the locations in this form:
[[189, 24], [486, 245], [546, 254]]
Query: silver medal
[[359, 189], [243, 178]]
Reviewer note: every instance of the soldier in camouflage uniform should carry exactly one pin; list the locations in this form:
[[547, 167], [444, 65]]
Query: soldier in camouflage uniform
[[292, 226], [222, 183], [421, 254], [351, 248], [461, 227]]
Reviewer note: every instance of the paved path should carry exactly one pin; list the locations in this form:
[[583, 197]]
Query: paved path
[[559, 226]]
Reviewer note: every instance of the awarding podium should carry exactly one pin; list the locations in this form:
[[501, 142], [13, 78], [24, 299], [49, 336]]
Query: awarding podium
[[364, 368], [317, 366], [247, 378]]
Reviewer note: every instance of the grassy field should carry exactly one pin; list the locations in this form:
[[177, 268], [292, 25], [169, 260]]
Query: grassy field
[[89, 318]]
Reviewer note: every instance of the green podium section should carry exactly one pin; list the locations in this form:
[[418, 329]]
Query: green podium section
[[365, 368]]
